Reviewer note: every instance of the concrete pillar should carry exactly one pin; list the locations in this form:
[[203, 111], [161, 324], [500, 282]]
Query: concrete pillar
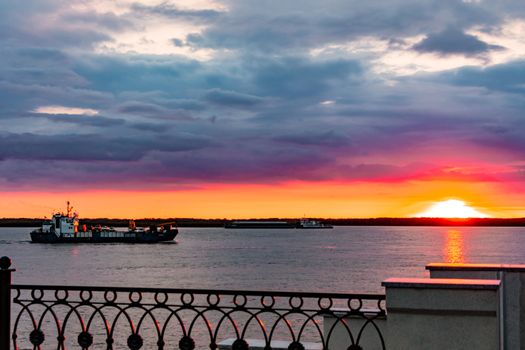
[[436, 314], [512, 293]]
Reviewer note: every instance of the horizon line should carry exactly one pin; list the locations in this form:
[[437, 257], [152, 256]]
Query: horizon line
[[282, 218]]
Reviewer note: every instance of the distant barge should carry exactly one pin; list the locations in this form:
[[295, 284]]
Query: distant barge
[[64, 228], [259, 224], [303, 223]]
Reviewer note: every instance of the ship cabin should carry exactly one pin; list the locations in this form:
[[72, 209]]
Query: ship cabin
[[62, 225]]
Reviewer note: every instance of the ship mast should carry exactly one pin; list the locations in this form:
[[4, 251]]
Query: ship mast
[[68, 209]]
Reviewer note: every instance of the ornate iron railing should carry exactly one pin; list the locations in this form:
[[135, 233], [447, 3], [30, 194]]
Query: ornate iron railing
[[160, 318]]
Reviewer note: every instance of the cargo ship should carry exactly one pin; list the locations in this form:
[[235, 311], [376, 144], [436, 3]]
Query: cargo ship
[[65, 228]]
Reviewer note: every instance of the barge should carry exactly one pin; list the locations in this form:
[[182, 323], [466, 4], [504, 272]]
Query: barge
[[259, 224], [303, 223]]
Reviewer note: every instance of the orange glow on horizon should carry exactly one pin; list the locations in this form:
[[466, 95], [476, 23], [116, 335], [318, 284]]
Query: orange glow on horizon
[[327, 199]]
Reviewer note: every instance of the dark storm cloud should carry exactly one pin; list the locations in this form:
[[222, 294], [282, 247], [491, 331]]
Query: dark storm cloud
[[507, 77], [454, 41], [27, 97], [250, 80], [510, 143], [136, 107], [40, 53], [257, 161], [148, 126], [232, 98], [162, 98], [316, 138], [174, 12], [272, 26], [86, 147], [153, 111], [97, 121], [138, 73], [295, 77], [51, 76]]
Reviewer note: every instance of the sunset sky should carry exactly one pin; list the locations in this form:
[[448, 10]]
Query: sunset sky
[[222, 109]]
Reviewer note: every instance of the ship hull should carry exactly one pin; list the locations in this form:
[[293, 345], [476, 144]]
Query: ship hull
[[97, 237]]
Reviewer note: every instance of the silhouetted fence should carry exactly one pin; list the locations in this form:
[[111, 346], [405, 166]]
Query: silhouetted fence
[[39, 316]]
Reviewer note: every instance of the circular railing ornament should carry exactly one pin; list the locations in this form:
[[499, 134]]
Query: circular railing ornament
[[267, 304], [240, 344], [37, 337], [161, 298], [86, 296], [295, 345], [85, 339], [135, 341], [110, 296], [186, 343], [213, 300], [296, 302], [240, 301], [325, 303]]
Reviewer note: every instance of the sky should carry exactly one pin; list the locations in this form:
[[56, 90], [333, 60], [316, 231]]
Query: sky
[[239, 109]]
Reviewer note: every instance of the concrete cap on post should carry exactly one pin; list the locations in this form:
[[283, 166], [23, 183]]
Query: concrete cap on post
[[441, 283], [475, 267]]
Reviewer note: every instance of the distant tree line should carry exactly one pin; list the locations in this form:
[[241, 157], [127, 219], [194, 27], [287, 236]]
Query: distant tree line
[[182, 222], [191, 222]]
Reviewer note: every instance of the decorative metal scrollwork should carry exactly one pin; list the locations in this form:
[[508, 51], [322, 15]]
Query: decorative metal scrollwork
[[145, 318]]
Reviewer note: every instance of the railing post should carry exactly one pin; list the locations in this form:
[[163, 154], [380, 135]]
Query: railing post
[[5, 302]]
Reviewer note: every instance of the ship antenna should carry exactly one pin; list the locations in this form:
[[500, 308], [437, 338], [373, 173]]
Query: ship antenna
[[68, 209]]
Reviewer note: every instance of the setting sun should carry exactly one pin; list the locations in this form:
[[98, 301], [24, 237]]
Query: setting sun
[[451, 208]]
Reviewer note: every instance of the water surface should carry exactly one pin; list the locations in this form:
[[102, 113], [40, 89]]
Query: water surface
[[345, 259]]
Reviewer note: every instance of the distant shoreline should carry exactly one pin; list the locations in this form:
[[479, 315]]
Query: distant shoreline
[[189, 222]]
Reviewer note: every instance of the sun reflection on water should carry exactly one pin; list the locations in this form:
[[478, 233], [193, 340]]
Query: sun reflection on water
[[454, 249]]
